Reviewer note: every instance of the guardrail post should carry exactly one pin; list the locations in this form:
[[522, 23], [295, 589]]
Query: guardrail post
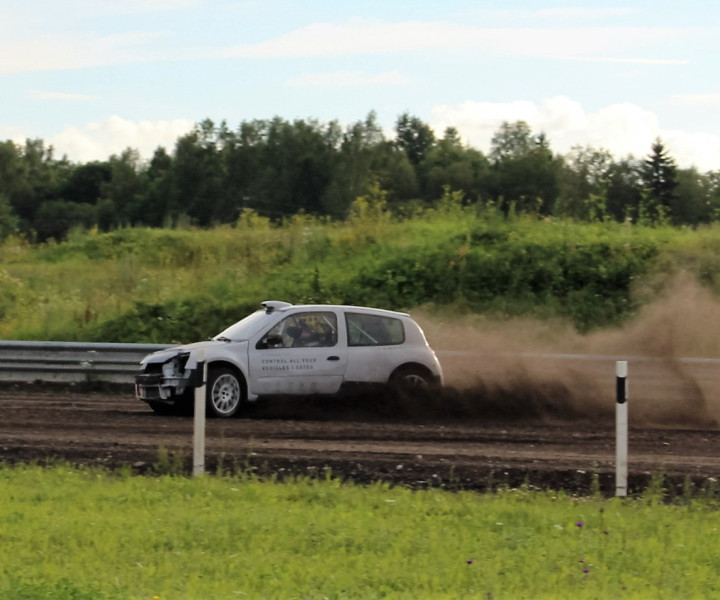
[[621, 428], [199, 419]]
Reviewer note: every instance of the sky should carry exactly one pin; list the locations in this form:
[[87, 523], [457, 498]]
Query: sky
[[93, 77]]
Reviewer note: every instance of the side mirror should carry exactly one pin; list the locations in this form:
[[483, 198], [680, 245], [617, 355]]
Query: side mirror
[[270, 342]]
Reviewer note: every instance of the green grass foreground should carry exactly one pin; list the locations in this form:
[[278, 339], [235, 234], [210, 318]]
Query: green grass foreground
[[68, 533]]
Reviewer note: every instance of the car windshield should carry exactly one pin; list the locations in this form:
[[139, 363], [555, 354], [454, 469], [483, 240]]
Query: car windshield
[[245, 328]]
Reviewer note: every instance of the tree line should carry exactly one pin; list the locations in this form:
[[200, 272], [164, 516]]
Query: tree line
[[278, 168]]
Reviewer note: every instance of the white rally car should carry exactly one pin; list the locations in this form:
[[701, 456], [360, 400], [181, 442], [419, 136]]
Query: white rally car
[[291, 349]]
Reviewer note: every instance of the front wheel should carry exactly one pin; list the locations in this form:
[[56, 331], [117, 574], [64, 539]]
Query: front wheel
[[225, 393], [162, 408]]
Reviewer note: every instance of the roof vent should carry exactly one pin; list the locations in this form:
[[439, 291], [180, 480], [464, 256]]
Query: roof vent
[[271, 305]]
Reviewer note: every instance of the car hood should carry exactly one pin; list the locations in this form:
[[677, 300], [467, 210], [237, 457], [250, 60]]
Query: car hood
[[197, 352]]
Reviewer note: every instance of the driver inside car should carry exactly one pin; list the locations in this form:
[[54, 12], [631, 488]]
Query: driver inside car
[[307, 338]]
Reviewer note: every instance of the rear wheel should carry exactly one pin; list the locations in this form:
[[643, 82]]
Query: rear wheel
[[410, 379], [225, 393]]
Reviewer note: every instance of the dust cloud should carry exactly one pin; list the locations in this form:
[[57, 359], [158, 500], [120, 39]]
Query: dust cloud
[[522, 368]]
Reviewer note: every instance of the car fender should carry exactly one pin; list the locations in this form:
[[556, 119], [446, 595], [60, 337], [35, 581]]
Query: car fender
[[234, 353], [211, 351]]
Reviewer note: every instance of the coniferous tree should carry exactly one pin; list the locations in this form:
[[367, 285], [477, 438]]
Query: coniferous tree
[[658, 173]]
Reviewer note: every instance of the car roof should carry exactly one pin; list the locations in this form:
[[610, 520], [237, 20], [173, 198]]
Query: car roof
[[273, 305]]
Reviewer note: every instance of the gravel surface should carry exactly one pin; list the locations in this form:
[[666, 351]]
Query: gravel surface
[[453, 440]]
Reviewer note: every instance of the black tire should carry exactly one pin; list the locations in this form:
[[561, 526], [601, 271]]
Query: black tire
[[185, 403], [163, 408], [409, 379], [225, 393]]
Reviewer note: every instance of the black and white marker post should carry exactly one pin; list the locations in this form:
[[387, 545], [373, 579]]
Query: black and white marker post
[[621, 428], [199, 420]]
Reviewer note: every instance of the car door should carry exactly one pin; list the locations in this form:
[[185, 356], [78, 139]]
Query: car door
[[375, 346], [304, 353]]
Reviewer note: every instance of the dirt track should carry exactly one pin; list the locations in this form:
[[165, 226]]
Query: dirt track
[[526, 402], [468, 440]]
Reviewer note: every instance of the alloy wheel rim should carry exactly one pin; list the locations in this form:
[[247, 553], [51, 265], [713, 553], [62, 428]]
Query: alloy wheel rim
[[225, 394], [413, 380]]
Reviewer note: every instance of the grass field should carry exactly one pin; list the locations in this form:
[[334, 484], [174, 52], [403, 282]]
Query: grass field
[[74, 534]]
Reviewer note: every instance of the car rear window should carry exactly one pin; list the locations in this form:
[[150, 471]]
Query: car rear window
[[373, 330]]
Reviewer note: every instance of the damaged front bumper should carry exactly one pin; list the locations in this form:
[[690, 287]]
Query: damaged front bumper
[[157, 388], [164, 379]]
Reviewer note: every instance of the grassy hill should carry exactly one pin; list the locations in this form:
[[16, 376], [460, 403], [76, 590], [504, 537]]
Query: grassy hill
[[160, 285]]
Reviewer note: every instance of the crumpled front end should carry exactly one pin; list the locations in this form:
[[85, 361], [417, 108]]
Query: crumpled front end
[[165, 376]]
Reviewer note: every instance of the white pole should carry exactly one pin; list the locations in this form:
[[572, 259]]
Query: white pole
[[199, 420], [621, 428]]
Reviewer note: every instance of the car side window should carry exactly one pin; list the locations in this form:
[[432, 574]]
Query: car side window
[[373, 330], [302, 330]]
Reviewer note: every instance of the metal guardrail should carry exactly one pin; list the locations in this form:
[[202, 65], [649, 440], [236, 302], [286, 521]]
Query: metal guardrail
[[78, 362], [72, 362]]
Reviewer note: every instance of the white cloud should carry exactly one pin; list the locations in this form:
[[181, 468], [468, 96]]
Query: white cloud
[[100, 140], [362, 37], [620, 128], [710, 99], [39, 12], [74, 51], [629, 61], [71, 48], [582, 12], [575, 13], [698, 149], [131, 7], [13, 133], [348, 79], [41, 95]]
